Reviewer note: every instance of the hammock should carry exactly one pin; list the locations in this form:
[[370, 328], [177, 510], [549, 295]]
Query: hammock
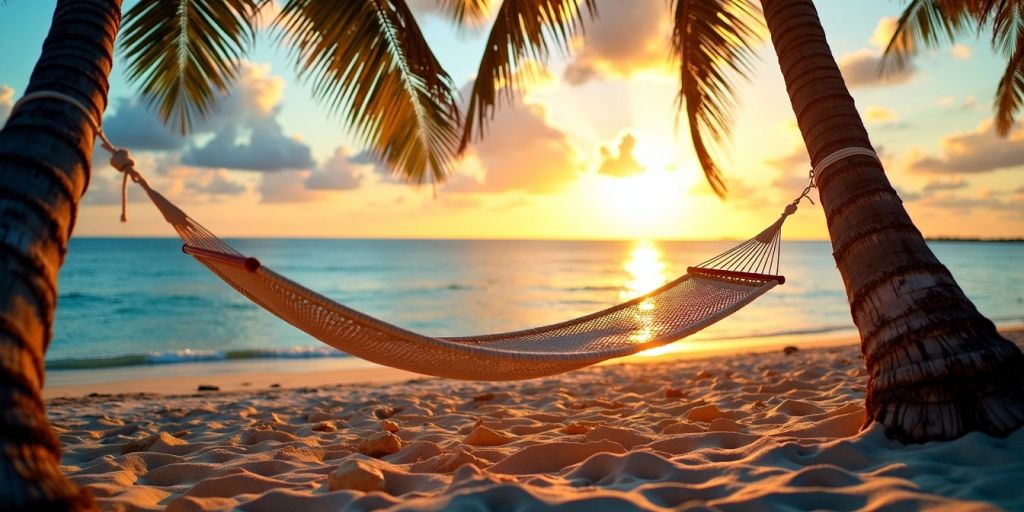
[[704, 295]]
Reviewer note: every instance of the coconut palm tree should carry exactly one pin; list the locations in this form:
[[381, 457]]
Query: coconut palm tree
[[366, 60], [937, 368]]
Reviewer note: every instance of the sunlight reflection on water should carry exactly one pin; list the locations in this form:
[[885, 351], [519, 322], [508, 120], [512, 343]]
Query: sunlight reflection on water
[[647, 270]]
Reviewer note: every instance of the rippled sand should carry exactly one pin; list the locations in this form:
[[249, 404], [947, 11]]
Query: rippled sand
[[747, 432]]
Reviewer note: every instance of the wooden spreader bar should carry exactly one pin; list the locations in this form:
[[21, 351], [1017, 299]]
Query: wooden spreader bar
[[250, 264], [749, 276]]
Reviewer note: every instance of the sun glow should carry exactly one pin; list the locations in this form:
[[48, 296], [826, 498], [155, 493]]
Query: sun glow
[[645, 200]]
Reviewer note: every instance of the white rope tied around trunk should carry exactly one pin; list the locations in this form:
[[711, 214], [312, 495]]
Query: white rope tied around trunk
[[838, 155], [120, 158], [815, 173]]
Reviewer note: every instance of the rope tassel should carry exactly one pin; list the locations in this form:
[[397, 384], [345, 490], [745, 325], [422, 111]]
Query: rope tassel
[[123, 162]]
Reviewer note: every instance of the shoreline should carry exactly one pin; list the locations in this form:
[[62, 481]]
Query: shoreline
[[262, 374]]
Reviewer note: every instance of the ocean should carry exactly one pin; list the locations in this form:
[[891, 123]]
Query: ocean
[[141, 301]]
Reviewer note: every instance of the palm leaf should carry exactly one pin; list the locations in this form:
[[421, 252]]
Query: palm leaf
[[928, 23], [925, 24], [1010, 93], [523, 31], [185, 52], [713, 40], [368, 60], [463, 11]]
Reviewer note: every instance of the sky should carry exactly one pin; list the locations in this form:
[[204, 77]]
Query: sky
[[590, 150]]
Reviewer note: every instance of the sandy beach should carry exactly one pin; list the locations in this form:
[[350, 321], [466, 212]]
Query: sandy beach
[[764, 431]]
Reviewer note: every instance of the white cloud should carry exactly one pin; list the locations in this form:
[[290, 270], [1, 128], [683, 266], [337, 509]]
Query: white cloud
[[247, 133], [883, 32]]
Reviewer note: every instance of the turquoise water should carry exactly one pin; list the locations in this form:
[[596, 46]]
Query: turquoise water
[[142, 301]]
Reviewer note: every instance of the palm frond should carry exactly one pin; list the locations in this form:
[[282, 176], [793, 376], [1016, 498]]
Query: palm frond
[[714, 41], [928, 23], [1010, 94], [463, 11], [368, 61], [523, 30], [185, 52], [922, 23]]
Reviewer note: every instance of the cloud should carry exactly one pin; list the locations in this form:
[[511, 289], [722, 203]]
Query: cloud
[[6, 103], [883, 32], [967, 205], [862, 69], [339, 173], [628, 37], [105, 189], [217, 183], [960, 51], [133, 125], [622, 163], [940, 185], [875, 114], [976, 151], [522, 151], [906, 195], [247, 133], [285, 187], [793, 171], [266, 148]]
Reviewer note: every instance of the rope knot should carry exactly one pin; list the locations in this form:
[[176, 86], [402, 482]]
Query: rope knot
[[122, 161]]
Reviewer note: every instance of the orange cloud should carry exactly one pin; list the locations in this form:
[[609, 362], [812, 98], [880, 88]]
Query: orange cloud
[[522, 152], [626, 38]]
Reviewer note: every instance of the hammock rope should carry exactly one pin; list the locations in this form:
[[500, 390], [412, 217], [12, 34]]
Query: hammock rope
[[707, 293]]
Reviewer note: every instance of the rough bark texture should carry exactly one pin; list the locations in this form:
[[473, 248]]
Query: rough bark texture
[[937, 368], [45, 152]]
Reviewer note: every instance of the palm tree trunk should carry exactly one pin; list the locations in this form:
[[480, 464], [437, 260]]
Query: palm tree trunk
[[45, 152], [937, 368]]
